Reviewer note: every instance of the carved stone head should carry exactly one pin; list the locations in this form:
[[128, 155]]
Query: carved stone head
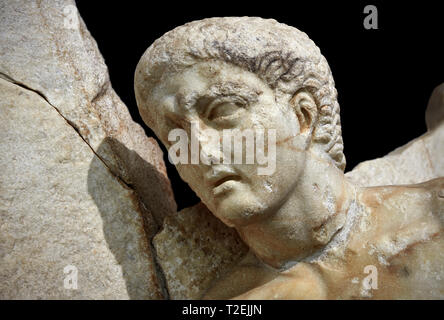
[[242, 73]]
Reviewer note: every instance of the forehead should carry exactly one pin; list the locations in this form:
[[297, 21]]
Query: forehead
[[177, 92]]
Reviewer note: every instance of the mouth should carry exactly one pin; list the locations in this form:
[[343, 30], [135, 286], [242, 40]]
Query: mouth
[[225, 179], [223, 182]]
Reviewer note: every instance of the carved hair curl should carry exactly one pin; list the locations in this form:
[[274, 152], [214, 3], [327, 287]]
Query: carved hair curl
[[281, 55]]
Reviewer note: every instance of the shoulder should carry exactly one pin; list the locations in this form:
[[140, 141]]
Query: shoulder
[[397, 217], [403, 201]]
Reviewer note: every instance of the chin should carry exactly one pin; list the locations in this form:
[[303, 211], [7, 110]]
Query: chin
[[239, 210]]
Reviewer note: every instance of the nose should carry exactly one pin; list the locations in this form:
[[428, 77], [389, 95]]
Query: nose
[[208, 140]]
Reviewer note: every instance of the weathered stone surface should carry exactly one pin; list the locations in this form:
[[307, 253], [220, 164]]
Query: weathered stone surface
[[392, 250], [314, 234], [59, 206], [419, 160], [193, 249], [45, 46], [69, 154]]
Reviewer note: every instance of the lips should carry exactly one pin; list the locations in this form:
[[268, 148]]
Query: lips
[[225, 179], [218, 177]]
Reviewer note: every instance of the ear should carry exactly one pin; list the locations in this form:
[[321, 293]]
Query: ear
[[306, 110]]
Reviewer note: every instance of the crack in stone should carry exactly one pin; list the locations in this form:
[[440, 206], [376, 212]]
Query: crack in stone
[[102, 91], [70, 123], [158, 269]]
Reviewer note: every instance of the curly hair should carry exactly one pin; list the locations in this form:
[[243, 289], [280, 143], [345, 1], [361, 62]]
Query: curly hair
[[284, 57]]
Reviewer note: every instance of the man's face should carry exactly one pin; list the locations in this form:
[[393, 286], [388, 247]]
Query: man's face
[[214, 96]]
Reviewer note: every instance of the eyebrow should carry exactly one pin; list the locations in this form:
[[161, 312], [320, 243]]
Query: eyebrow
[[219, 90]]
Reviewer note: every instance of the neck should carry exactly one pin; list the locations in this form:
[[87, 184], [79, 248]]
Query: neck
[[314, 211]]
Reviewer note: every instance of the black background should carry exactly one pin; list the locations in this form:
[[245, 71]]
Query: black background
[[384, 77]]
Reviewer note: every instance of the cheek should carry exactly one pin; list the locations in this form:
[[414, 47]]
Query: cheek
[[290, 163], [269, 189], [287, 171], [191, 175]]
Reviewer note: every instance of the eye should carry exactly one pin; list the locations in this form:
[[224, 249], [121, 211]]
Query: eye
[[224, 111]]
